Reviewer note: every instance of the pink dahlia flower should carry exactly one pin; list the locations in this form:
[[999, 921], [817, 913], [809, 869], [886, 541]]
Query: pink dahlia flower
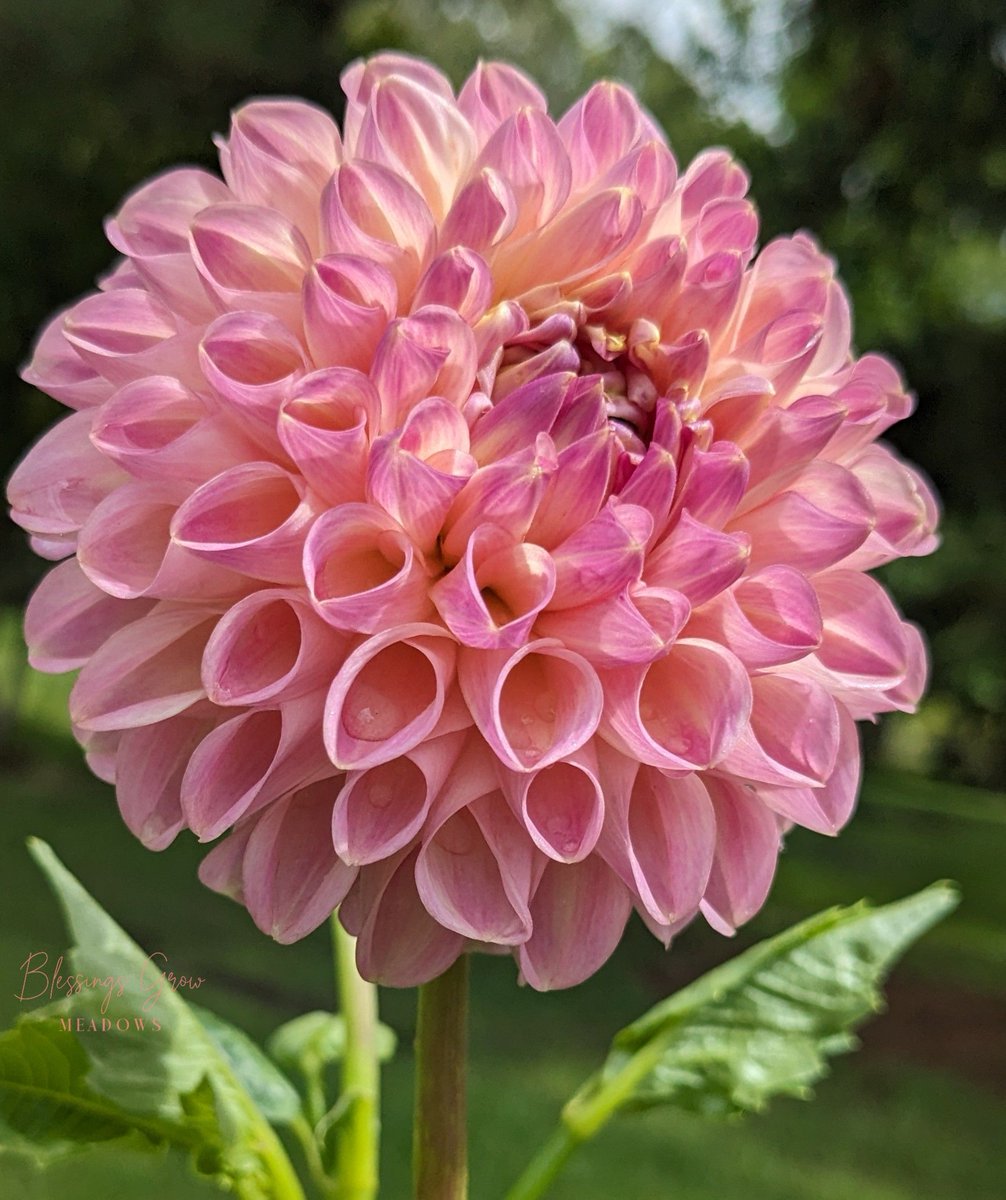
[[461, 518]]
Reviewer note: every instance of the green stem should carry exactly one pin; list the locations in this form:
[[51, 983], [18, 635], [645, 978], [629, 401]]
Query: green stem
[[440, 1128], [590, 1109], [359, 1131]]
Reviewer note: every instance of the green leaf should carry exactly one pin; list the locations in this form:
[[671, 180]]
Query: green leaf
[[149, 1058], [314, 1040], [45, 1095], [274, 1095], [764, 1023]]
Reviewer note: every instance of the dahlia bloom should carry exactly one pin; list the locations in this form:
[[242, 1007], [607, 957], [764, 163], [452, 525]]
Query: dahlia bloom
[[461, 518]]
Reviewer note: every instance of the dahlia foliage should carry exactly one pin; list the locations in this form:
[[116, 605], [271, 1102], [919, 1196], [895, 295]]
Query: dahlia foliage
[[462, 519]]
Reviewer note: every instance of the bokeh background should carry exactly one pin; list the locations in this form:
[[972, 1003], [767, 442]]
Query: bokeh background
[[880, 125]]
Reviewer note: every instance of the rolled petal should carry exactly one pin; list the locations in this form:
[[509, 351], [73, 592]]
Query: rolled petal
[[712, 483], [562, 806], [906, 509], [698, 561], [824, 809], [252, 361], [747, 849], [398, 943], [533, 706], [58, 370], [270, 646], [474, 873], [251, 257], [458, 279], [348, 302], [430, 353], [864, 635], [128, 333], [634, 627], [419, 134], [768, 618], [126, 550], [509, 489], [415, 473], [602, 558], [281, 153], [68, 619], [815, 523], [681, 713], [493, 92], [156, 428], [388, 695], [370, 211], [483, 214], [660, 835], [146, 672], [381, 809], [574, 494], [251, 760], [149, 765], [62, 479], [323, 426], [492, 597], [292, 878], [600, 128], [579, 911], [362, 569], [528, 153], [793, 738]]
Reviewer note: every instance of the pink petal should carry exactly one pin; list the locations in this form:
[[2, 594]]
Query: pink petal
[[415, 481], [509, 489], [58, 484], [388, 695], [323, 426], [400, 944], [431, 352], [747, 848], [528, 153], [493, 595], [381, 809], [371, 211], [575, 492], [820, 519], [68, 619], [602, 558], [458, 279], [146, 672], [361, 570], [562, 806], [251, 360], [533, 706], [793, 738], [579, 911], [681, 713], [150, 763], [768, 618], [348, 302], [270, 646], [249, 761], [696, 560], [292, 878], [474, 871], [493, 92], [251, 519], [619, 630], [156, 428], [58, 370], [126, 550], [483, 214]]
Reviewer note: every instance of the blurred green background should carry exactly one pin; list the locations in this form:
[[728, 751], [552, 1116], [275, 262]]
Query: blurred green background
[[881, 127]]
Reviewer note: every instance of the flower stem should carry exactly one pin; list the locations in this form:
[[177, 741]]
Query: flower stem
[[589, 1110], [359, 1132], [440, 1129]]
